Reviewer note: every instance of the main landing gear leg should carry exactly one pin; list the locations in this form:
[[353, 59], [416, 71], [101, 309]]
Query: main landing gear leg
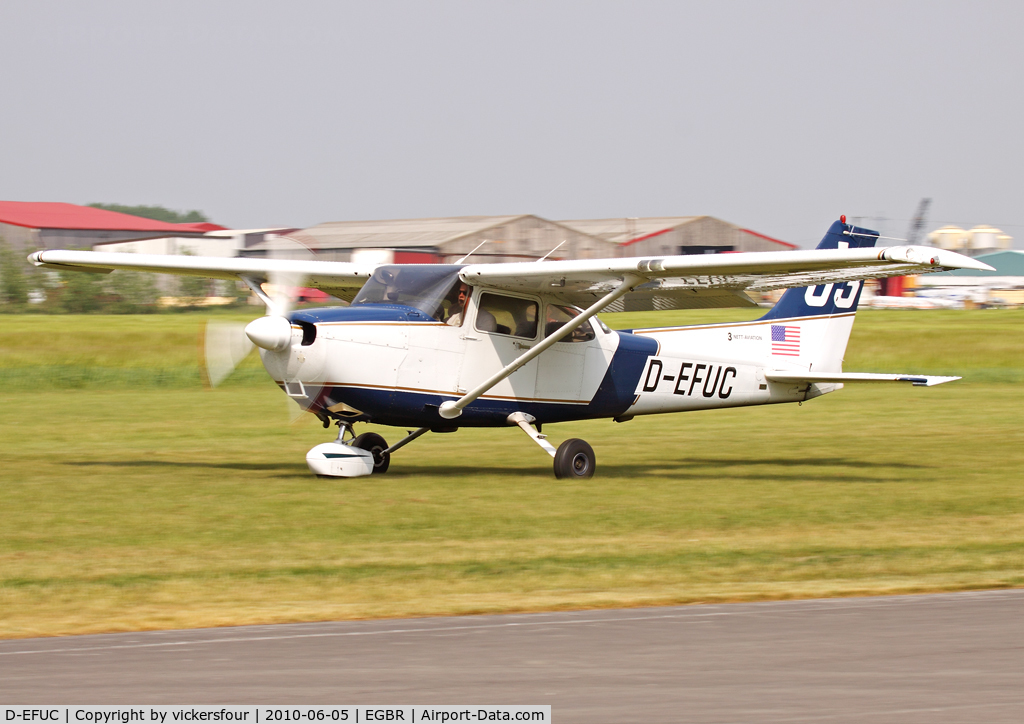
[[406, 440], [574, 458], [378, 446]]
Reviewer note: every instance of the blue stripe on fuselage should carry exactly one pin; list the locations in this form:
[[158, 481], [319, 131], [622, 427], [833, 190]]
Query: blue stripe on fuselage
[[616, 393]]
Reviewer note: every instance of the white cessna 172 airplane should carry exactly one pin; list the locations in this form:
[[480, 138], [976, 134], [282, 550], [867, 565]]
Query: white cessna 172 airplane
[[438, 347]]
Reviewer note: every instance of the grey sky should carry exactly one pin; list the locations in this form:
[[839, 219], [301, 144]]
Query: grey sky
[[776, 116]]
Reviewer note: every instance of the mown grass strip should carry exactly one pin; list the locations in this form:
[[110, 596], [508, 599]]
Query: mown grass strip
[[134, 506]]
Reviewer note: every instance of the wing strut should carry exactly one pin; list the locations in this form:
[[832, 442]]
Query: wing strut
[[450, 409]]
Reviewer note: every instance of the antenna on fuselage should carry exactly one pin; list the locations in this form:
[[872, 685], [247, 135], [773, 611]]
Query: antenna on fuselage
[[552, 251], [463, 259]]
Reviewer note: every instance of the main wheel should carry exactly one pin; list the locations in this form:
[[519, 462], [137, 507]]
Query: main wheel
[[574, 459], [377, 445]]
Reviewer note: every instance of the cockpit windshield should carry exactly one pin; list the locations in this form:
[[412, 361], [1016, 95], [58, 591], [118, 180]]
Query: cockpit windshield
[[426, 287]]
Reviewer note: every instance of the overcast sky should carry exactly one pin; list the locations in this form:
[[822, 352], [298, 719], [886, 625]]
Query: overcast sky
[[775, 116]]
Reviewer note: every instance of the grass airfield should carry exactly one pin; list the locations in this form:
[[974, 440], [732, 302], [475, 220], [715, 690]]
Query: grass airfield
[[134, 499]]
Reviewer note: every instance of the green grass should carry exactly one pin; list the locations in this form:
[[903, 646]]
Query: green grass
[[127, 506], [74, 351]]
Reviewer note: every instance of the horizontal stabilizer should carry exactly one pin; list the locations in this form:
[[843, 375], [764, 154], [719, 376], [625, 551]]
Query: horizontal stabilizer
[[842, 377]]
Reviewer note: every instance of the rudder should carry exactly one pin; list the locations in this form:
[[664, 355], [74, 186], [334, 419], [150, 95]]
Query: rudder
[[827, 299], [815, 322]]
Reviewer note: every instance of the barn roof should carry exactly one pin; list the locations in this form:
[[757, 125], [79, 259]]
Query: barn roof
[[407, 233], [626, 231], [56, 215]]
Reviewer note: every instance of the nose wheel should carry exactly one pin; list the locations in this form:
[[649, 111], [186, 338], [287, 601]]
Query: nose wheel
[[349, 456], [376, 446]]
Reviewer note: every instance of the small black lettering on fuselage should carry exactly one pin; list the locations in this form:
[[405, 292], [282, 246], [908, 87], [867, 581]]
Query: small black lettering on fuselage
[[694, 379]]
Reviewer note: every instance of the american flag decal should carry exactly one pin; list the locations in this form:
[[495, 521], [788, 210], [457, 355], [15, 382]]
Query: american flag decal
[[786, 340]]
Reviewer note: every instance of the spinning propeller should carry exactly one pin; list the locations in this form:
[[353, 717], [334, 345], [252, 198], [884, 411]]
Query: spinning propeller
[[300, 366]]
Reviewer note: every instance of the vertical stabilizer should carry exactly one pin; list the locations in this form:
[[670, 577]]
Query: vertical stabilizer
[[814, 323], [825, 299]]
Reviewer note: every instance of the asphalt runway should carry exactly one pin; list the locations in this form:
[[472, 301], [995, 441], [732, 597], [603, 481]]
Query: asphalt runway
[[933, 658]]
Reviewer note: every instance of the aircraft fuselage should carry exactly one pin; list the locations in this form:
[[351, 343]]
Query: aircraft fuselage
[[394, 365]]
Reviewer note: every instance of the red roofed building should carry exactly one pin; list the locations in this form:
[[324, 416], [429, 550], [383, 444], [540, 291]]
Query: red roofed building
[[52, 225], [670, 235]]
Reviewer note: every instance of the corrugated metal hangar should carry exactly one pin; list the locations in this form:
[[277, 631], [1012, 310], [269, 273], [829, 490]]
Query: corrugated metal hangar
[[32, 225], [669, 235], [519, 238], [47, 225], [524, 237], [503, 238]]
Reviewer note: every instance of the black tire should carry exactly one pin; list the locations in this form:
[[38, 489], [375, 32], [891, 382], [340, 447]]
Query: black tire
[[377, 445], [575, 459]]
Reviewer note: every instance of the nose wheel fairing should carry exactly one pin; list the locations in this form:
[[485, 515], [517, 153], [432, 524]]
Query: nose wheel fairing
[[352, 456], [339, 460]]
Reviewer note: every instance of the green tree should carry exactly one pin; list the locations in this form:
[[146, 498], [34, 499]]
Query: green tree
[[133, 292], [48, 283], [193, 289], [13, 285], [80, 292], [157, 213]]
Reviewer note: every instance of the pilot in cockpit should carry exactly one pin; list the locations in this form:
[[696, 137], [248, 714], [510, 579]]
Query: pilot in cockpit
[[457, 308]]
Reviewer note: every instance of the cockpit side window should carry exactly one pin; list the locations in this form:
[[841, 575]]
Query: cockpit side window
[[558, 316], [513, 316]]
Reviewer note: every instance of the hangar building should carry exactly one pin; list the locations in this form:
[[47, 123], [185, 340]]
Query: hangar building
[[670, 235], [519, 238], [504, 238], [31, 225]]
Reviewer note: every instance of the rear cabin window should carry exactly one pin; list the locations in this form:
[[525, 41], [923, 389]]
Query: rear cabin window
[[507, 315], [558, 316]]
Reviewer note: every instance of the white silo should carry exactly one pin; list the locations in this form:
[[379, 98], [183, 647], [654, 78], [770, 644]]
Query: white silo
[[950, 237], [988, 238]]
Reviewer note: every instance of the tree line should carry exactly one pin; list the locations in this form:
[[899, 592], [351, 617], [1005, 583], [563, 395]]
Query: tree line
[[25, 287], [157, 213]]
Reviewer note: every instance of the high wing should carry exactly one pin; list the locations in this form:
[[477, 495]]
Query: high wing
[[341, 279], [712, 280], [671, 282]]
